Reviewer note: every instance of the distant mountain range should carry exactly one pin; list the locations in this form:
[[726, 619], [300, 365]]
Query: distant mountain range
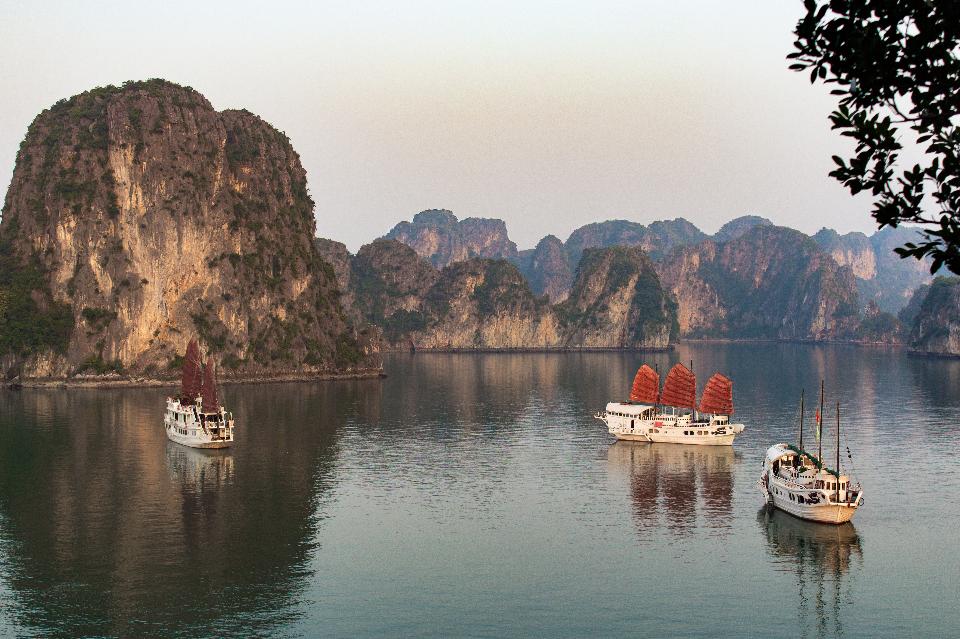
[[441, 282], [437, 235]]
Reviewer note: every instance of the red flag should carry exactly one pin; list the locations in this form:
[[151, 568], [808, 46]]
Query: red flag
[[818, 415]]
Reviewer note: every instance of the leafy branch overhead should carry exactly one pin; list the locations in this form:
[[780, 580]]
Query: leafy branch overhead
[[895, 67]]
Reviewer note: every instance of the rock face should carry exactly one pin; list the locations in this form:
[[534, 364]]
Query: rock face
[[657, 240], [487, 304], [881, 275], [147, 218], [738, 226], [617, 300], [936, 328], [770, 283], [547, 269], [438, 236]]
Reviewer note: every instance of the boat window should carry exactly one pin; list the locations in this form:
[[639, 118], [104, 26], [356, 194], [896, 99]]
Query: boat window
[[799, 499]]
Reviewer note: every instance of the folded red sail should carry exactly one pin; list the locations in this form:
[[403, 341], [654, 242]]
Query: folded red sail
[[717, 396], [190, 380], [680, 388], [646, 386], [211, 403]]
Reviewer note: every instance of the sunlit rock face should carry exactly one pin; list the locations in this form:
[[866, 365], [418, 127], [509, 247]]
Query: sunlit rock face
[[154, 218], [770, 283], [617, 300], [936, 326], [440, 237]]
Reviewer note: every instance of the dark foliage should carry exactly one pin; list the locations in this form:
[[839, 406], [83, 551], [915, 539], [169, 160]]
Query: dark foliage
[[896, 70]]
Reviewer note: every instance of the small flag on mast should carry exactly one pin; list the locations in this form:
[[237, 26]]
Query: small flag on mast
[[818, 424]]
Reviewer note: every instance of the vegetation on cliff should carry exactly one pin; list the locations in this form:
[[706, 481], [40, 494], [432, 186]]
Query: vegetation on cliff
[[485, 303], [936, 327]]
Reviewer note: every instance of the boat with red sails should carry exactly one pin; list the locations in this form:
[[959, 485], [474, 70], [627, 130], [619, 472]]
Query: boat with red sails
[[195, 417], [671, 414]]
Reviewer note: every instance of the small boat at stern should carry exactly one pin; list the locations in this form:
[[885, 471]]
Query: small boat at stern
[[195, 417], [671, 416]]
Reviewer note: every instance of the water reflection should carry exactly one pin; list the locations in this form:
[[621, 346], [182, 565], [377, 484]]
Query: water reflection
[[199, 470], [677, 483], [820, 556], [119, 532]]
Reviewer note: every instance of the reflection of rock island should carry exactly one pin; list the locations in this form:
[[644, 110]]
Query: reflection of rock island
[[146, 537], [677, 482], [820, 556]]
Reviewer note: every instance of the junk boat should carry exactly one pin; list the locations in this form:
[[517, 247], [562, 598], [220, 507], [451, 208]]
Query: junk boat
[[195, 417], [797, 482], [645, 418]]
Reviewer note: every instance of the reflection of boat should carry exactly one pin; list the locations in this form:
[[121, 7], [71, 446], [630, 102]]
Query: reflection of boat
[[677, 481], [823, 546], [798, 482], [645, 417], [195, 417], [820, 555], [199, 468]]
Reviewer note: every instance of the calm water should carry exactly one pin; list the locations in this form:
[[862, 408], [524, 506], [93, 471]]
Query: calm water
[[474, 495]]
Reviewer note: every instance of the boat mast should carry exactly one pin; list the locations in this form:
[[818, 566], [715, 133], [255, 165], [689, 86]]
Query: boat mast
[[820, 427], [800, 438], [838, 452], [694, 395]]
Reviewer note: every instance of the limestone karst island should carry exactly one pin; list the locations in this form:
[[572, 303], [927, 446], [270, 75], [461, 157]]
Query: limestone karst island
[[139, 217], [438, 319]]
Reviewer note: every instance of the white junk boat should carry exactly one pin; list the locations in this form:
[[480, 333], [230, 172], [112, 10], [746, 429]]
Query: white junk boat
[[194, 417], [644, 418], [797, 482]]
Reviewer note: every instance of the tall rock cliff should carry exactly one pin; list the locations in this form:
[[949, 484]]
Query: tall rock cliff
[[443, 239], [882, 276], [936, 327], [547, 269], [617, 300], [145, 217], [487, 304], [770, 283]]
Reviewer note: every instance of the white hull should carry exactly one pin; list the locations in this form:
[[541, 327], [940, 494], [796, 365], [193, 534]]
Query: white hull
[[197, 442], [678, 437], [641, 423], [823, 513]]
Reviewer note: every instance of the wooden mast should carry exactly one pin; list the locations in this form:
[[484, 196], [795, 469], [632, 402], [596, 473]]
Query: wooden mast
[[838, 452], [800, 438], [820, 428]]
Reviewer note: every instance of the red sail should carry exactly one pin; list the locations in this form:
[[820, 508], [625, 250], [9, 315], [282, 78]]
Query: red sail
[[190, 377], [717, 396], [211, 403], [680, 388], [646, 386]]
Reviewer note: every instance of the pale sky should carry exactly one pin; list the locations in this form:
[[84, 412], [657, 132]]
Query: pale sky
[[549, 115]]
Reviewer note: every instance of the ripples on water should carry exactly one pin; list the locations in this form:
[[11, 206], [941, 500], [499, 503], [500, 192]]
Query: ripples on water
[[474, 495]]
